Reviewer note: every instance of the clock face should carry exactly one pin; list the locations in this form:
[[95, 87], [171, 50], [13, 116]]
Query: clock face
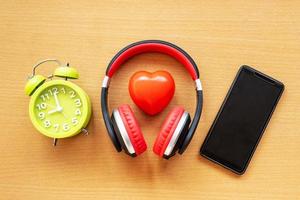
[[59, 110]]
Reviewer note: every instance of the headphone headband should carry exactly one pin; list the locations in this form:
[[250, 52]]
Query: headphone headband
[[148, 46]]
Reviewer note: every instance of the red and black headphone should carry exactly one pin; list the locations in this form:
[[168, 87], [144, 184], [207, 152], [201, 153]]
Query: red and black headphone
[[122, 126]]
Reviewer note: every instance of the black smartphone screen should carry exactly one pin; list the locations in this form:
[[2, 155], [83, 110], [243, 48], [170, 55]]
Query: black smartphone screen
[[242, 118]]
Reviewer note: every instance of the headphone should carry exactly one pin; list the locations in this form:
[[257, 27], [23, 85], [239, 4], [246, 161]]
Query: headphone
[[122, 126]]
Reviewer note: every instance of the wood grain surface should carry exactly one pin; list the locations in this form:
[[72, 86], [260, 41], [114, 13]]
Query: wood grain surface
[[219, 35]]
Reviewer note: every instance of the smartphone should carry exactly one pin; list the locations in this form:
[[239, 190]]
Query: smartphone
[[242, 119]]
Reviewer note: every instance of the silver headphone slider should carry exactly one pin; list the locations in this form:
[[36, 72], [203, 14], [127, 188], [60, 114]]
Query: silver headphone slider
[[198, 85], [105, 82]]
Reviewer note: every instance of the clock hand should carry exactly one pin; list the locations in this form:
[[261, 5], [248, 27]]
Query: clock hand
[[57, 102], [59, 109], [53, 111]]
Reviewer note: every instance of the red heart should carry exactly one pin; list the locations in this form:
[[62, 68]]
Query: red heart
[[151, 92]]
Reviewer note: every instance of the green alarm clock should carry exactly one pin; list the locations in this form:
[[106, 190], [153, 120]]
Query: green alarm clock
[[58, 108]]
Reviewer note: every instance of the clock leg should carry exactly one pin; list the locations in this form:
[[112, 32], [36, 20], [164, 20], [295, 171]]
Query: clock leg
[[54, 141], [85, 132]]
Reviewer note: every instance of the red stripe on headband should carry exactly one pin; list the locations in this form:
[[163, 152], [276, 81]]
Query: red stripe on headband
[[152, 47]]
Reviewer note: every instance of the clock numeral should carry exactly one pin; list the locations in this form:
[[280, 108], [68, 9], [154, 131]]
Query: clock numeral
[[55, 90], [74, 121], [50, 92], [63, 90], [45, 97], [47, 123], [42, 115], [41, 106], [77, 102], [72, 94], [66, 127], [56, 126], [77, 111]]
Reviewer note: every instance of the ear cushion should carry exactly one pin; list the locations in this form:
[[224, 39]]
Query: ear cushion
[[133, 129], [167, 131]]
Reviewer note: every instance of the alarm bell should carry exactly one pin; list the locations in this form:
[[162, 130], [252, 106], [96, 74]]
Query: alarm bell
[[63, 71], [66, 72], [33, 83]]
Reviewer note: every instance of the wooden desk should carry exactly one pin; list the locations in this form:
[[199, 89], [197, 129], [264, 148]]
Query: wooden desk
[[220, 35]]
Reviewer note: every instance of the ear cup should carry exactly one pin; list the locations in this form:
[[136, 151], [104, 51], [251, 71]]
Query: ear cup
[[167, 130], [132, 128]]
